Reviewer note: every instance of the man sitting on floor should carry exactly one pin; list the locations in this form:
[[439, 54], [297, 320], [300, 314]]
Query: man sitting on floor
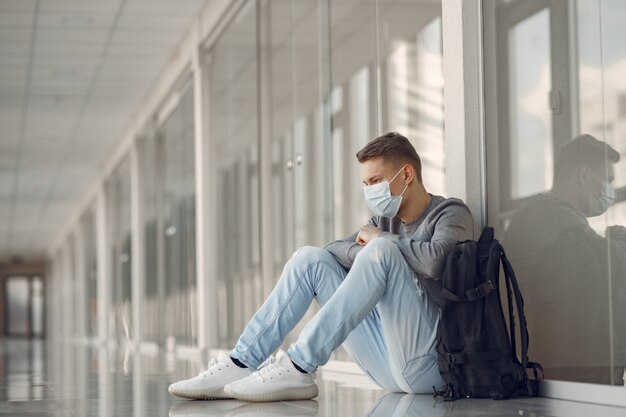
[[371, 286]]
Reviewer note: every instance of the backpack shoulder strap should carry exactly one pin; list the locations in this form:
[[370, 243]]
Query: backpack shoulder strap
[[519, 302], [486, 236], [512, 325]]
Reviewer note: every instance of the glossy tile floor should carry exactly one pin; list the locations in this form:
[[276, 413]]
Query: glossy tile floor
[[45, 379]]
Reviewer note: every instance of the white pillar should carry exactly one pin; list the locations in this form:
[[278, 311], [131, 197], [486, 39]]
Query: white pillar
[[67, 358], [105, 383], [68, 329], [463, 103], [137, 243], [80, 276], [265, 157], [206, 271], [104, 278], [58, 295], [140, 405]]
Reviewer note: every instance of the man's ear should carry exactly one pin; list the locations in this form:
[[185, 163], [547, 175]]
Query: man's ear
[[408, 174]]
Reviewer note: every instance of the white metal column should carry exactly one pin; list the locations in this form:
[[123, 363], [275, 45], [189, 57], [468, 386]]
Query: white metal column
[[137, 243], [463, 103], [67, 269], [206, 282], [103, 284], [265, 154], [80, 275]]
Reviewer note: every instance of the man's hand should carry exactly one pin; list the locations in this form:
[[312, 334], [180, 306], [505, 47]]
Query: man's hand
[[366, 234]]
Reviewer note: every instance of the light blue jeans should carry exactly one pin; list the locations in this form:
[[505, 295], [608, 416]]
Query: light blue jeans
[[384, 320]]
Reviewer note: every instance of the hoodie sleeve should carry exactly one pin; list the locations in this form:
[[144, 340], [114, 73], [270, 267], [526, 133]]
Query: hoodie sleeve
[[427, 258], [345, 250]]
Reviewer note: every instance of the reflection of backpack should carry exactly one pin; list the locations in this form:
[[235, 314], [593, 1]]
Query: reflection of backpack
[[477, 352]]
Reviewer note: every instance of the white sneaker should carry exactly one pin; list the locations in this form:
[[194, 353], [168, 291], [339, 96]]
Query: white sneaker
[[209, 385], [276, 380]]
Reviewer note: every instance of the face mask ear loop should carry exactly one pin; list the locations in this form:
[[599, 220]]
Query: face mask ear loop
[[394, 177], [405, 187]]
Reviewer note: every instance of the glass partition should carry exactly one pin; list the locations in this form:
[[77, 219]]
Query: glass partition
[[333, 75], [387, 75], [298, 74], [151, 195], [88, 229], [604, 21], [118, 221], [233, 132], [557, 169], [167, 169], [179, 220]]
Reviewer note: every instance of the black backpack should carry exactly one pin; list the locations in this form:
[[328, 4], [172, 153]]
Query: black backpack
[[477, 354]]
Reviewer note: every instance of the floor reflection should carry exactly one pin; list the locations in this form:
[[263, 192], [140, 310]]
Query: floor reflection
[[73, 379], [238, 408]]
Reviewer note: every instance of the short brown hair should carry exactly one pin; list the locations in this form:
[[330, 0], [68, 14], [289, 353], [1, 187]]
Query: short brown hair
[[394, 148], [582, 150]]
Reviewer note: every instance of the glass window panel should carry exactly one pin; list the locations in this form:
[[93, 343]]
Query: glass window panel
[[387, 63], [355, 121], [176, 137], [386, 75], [118, 220], [300, 99], [232, 74], [559, 76], [411, 81], [298, 74], [530, 138], [91, 270], [151, 194], [612, 15]]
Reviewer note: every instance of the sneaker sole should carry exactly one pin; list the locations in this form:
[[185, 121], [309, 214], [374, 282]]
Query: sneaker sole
[[217, 394], [285, 395]]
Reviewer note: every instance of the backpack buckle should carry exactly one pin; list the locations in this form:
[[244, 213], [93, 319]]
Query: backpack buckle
[[486, 288], [481, 291]]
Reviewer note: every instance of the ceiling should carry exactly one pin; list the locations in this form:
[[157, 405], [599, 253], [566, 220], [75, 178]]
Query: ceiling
[[72, 74]]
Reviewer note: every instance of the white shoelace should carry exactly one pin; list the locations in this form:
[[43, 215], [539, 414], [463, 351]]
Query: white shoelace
[[210, 368], [269, 369]]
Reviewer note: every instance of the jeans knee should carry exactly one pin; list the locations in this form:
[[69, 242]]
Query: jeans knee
[[308, 254], [379, 249]]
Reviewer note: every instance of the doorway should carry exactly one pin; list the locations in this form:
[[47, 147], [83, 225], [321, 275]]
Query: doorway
[[24, 301]]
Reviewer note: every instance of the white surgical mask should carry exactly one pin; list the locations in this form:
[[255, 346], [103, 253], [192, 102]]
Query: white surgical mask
[[379, 199], [598, 204]]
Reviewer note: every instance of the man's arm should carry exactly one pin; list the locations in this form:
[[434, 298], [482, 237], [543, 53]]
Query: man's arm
[[428, 258], [345, 250]]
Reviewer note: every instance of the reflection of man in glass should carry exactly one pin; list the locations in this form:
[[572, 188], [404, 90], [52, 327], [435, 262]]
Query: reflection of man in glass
[[563, 264]]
